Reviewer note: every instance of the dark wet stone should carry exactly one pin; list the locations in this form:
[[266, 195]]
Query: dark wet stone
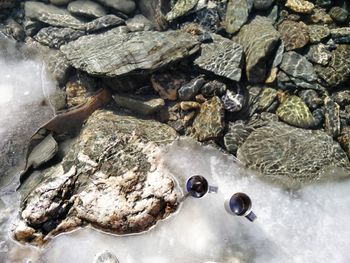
[[114, 53], [319, 54], [104, 22], [213, 88], [342, 97], [31, 27], [267, 97], [125, 6], [339, 14], [237, 12], [223, 57], [260, 41], [86, 8], [319, 16], [59, 2], [236, 134], [273, 149], [324, 3], [318, 32], [181, 8], [54, 37], [5, 4], [341, 35], [190, 89], [262, 4], [332, 119], [15, 30], [139, 23], [155, 11], [311, 98], [233, 101], [294, 34], [168, 83], [209, 123], [344, 140], [294, 111], [338, 69]]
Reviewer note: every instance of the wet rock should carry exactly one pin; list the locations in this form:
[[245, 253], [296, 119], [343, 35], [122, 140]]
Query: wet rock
[[210, 18], [125, 191], [318, 32], [332, 120], [338, 69], [237, 133], [319, 54], [54, 37], [233, 101], [190, 90], [155, 11], [260, 41], [213, 88], [267, 97], [324, 3], [189, 105], [342, 97], [58, 66], [209, 123], [168, 83], [86, 8], [273, 149], [262, 4], [341, 35], [222, 57], [339, 14], [139, 23], [52, 15], [116, 53], [138, 104], [105, 22], [300, 6], [311, 98], [294, 34], [294, 111], [31, 27], [320, 16], [125, 6], [344, 140], [237, 12], [181, 7], [15, 30], [298, 68]]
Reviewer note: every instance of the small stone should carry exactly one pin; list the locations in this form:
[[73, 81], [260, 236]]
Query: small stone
[[189, 105], [318, 32], [223, 57], [232, 101], [86, 8], [142, 105], [181, 7], [300, 6], [237, 12], [319, 54], [294, 111], [125, 6], [213, 88], [324, 3], [311, 98], [342, 97], [341, 35], [320, 16], [155, 11], [54, 37], [139, 23], [332, 119], [339, 14], [76, 94], [294, 34], [190, 90], [58, 66], [167, 84], [209, 123]]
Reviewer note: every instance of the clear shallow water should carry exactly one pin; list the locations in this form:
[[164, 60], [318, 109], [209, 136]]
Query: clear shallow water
[[310, 225]]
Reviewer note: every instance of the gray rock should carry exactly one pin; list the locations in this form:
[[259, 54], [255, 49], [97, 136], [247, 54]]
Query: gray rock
[[262, 4], [311, 98], [279, 55], [237, 12], [138, 104], [104, 22], [342, 97], [54, 37], [155, 11], [318, 32], [213, 88], [259, 40], [273, 149], [319, 54], [114, 53], [58, 66], [118, 153], [52, 15], [139, 23], [341, 35], [332, 118], [181, 7], [190, 90], [232, 101], [339, 14], [86, 8], [236, 134], [125, 6], [223, 57]]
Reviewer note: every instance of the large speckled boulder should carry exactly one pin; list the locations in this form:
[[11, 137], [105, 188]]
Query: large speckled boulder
[[332, 118], [294, 111], [300, 6], [116, 53], [319, 54], [109, 179], [259, 40], [223, 57], [292, 157], [338, 69], [209, 124], [294, 34], [181, 8], [125, 6], [237, 13]]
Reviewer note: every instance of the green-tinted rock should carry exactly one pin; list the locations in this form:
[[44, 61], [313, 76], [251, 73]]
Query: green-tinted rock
[[237, 12], [341, 35], [125, 6], [339, 14], [332, 119], [294, 111], [292, 157], [182, 7], [318, 32]]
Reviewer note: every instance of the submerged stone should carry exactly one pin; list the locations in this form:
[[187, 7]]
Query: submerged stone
[[273, 150], [318, 32], [294, 34], [237, 12], [319, 54], [55, 37]]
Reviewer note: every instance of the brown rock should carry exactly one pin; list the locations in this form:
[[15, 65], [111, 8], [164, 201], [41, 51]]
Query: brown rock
[[294, 34]]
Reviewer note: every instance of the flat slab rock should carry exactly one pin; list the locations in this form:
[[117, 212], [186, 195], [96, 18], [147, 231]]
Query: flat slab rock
[[111, 178], [273, 150], [116, 53]]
